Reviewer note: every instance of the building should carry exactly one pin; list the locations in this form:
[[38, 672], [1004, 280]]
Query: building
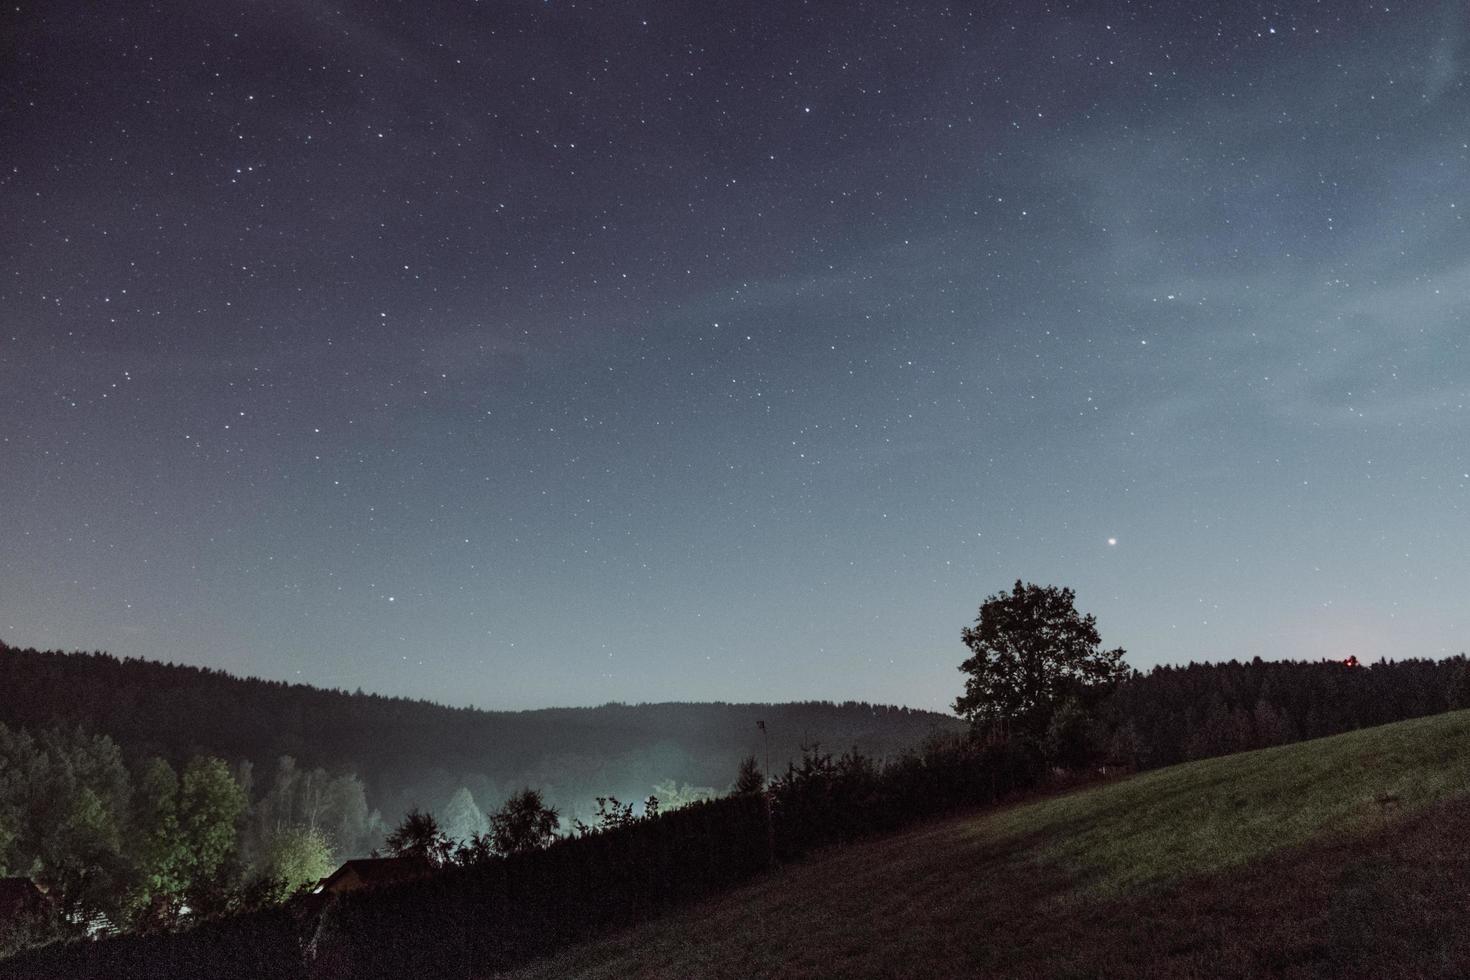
[[22, 901], [362, 873]]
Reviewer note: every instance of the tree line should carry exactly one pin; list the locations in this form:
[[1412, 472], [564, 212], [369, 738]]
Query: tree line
[[1038, 674], [1041, 696], [521, 890], [155, 845], [1197, 711], [154, 848], [409, 752]]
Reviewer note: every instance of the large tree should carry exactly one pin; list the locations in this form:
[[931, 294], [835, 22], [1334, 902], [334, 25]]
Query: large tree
[[211, 804], [64, 798], [463, 818], [1031, 652], [158, 850], [295, 857]]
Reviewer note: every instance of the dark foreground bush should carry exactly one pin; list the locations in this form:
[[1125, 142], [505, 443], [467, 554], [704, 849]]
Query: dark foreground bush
[[247, 947], [470, 920], [827, 801], [476, 920]]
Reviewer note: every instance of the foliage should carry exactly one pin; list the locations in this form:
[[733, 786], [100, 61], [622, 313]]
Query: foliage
[[523, 823], [672, 795], [138, 847], [1030, 651], [1458, 695], [65, 798], [336, 806], [25, 927], [158, 849], [611, 815], [112, 850], [634, 866], [211, 804], [1012, 892], [908, 904], [463, 818], [478, 849], [750, 779], [1173, 714], [243, 947], [1207, 814], [418, 835], [405, 752], [297, 857], [9, 827], [1068, 741]]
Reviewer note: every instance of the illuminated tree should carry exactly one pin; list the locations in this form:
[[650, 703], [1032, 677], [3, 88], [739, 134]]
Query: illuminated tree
[[349, 825], [211, 804], [158, 848], [63, 808], [1031, 651], [463, 820], [675, 796], [296, 857]]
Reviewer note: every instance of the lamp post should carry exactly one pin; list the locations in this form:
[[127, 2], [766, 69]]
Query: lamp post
[[767, 736]]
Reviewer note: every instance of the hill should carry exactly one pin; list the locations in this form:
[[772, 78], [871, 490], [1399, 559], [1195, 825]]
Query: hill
[[416, 753], [1341, 856]]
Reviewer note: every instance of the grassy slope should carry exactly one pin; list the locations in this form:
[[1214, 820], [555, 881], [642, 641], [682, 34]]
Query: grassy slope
[[1337, 857]]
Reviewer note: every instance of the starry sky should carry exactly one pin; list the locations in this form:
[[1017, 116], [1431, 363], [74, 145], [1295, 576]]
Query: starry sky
[[517, 353]]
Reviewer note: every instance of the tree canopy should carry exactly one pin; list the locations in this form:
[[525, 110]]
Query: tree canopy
[[524, 823], [1031, 651], [418, 835]]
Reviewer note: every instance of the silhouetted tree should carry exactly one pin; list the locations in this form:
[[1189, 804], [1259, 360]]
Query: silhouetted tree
[[1066, 742], [1458, 695], [524, 823], [611, 815], [1271, 726], [1030, 651], [419, 836], [750, 779], [476, 849]]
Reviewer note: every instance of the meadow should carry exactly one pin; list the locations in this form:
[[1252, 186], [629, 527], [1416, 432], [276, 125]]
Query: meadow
[[1340, 856]]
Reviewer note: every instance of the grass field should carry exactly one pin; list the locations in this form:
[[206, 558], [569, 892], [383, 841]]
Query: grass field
[[1339, 857]]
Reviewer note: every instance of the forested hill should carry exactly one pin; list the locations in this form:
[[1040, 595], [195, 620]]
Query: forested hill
[[415, 752]]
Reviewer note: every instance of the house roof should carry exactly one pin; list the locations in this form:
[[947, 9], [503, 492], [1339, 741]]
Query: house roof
[[369, 872], [18, 894]]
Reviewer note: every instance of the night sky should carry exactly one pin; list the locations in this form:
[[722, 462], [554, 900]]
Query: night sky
[[519, 353]]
